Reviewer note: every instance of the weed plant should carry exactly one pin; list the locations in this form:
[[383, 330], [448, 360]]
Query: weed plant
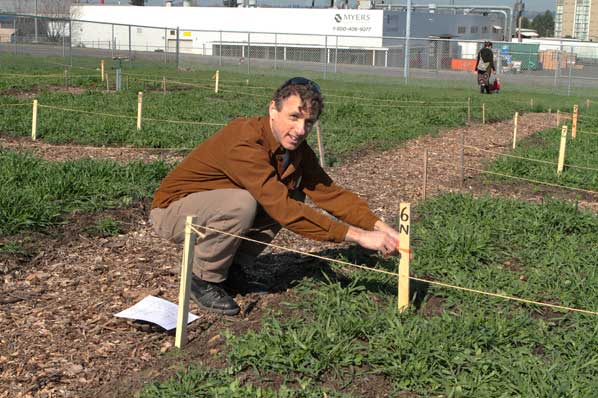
[[105, 227], [199, 382], [36, 194], [471, 345]]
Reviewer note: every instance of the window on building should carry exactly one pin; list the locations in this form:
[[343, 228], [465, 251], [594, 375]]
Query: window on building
[[461, 29], [558, 21], [473, 29], [484, 29], [581, 21]]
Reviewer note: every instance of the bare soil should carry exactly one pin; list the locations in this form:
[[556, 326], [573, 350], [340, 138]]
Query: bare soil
[[60, 338]]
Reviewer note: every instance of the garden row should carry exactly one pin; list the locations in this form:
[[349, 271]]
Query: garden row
[[336, 336]]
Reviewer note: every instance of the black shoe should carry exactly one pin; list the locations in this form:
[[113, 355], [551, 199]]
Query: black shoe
[[239, 282], [212, 297]]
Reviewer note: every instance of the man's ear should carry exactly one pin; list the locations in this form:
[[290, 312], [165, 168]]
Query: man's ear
[[272, 111]]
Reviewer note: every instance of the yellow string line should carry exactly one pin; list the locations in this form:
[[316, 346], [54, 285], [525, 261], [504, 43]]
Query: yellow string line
[[588, 132], [447, 285], [7, 105], [504, 296], [184, 122], [293, 250], [87, 112], [520, 178], [18, 75], [534, 181], [370, 105], [130, 148], [529, 159], [581, 116], [131, 117], [327, 95]]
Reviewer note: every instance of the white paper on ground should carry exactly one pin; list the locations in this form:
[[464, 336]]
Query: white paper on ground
[[155, 310]]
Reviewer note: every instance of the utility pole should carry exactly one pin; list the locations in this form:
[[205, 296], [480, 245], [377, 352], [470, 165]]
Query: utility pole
[[518, 11], [35, 21], [407, 37]]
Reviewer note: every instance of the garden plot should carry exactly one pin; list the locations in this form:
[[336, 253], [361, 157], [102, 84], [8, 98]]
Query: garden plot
[[67, 294], [63, 284]]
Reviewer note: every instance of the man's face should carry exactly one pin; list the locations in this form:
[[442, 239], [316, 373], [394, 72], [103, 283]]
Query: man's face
[[291, 124]]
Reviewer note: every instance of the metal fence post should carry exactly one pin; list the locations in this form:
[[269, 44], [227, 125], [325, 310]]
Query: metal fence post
[[570, 62], [177, 47], [557, 65], [165, 45], [407, 36], [248, 53], [220, 57], [112, 41], [275, 49], [70, 42], [129, 42], [14, 27], [336, 54], [325, 56]]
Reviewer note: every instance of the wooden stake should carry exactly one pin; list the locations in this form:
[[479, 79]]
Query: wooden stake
[[558, 117], [186, 274], [217, 77], [405, 250], [588, 104], [561, 163], [34, 121], [247, 82], [107, 83], [574, 122], [102, 69], [462, 160], [66, 77], [425, 188], [484, 113], [531, 103], [549, 111], [139, 109], [164, 84], [515, 123], [468, 110], [320, 144]]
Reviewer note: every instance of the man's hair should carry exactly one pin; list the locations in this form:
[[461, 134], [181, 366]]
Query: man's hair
[[307, 90], [487, 44]]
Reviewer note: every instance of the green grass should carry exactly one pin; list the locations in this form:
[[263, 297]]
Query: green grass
[[372, 114], [199, 382], [478, 346], [36, 194], [581, 154]]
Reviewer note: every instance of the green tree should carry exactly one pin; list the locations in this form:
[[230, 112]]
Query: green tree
[[525, 23], [544, 24]]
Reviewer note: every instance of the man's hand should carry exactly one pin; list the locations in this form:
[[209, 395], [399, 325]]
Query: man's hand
[[373, 240], [383, 238]]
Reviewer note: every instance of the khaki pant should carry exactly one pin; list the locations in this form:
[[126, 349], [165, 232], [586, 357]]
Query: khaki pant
[[230, 210]]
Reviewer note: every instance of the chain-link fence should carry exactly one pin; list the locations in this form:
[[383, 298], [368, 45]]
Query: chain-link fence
[[559, 65]]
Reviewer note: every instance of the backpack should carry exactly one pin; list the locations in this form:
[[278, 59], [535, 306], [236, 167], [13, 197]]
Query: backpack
[[483, 66]]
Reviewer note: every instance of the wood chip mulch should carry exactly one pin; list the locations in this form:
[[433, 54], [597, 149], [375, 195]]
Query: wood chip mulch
[[59, 336]]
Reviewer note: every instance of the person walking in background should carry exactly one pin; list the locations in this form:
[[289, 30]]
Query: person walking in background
[[251, 178], [485, 66]]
